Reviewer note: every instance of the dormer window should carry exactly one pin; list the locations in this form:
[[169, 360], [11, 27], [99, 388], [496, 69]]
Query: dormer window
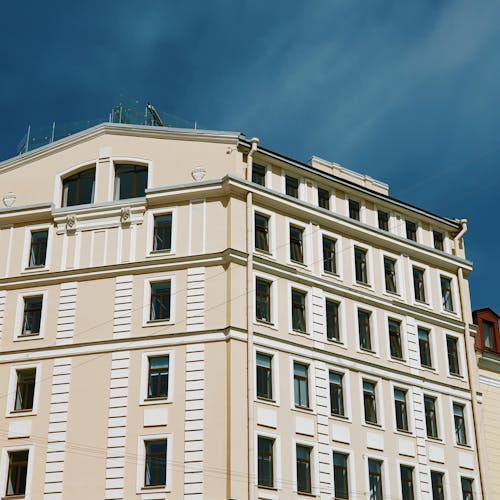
[[78, 189], [131, 181]]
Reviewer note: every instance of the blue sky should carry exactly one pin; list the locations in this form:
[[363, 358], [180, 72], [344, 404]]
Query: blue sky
[[407, 92]]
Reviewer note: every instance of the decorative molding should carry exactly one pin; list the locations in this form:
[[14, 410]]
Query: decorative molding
[[66, 313], [9, 199], [2, 310], [195, 298], [125, 215], [198, 173], [122, 317], [71, 223]]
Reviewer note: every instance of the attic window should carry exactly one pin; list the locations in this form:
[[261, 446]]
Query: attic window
[[78, 189], [131, 181]]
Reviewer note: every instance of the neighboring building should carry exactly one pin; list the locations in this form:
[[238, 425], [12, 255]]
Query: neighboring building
[[488, 362], [186, 314]]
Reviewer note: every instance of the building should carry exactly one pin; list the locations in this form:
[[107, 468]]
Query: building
[[187, 314], [488, 362]]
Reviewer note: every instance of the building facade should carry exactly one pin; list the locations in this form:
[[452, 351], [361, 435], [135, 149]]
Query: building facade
[[488, 362], [186, 314]]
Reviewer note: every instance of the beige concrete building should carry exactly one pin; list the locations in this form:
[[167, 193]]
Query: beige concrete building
[[186, 314]]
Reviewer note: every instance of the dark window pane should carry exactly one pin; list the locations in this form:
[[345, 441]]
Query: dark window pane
[[360, 265], [130, 181], [406, 483], [446, 294], [296, 244], [263, 300], [400, 408], [418, 284], [438, 240], [264, 376], [160, 301], [301, 385], [336, 394], [261, 232], [18, 469], [395, 339], [488, 335], [369, 398], [156, 463], [323, 198], [158, 377], [411, 230], [292, 186], [364, 330], [332, 320], [265, 462], [452, 348], [354, 209], [383, 220], [25, 389], [329, 261], [78, 189], [375, 479], [424, 347], [259, 174], [437, 485], [430, 417], [390, 275], [162, 239], [298, 311], [303, 469], [458, 416], [38, 249], [467, 491], [32, 316], [340, 476]]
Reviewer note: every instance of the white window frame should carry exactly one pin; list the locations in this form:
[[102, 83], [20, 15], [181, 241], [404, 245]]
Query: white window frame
[[314, 465], [339, 262], [306, 243], [402, 334], [308, 314], [391, 224], [11, 395], [461, 356], [432, 345], [273, 298], [277, 465], [346, 392], [267, 175], [415, 476], [386, 493], [446, 482], [342, 342], [310, 385], [4, 469], [25, 267], [362, 207], [271, 232], [446, 239], [374, 337], [379, 401], [351, 470], [331, 201], [302, 188], [399, 270], [369, 264], [475, 481], [150, 217], [75, 169], [439, 417], [468, 423], [454, 294], [409, 409], [145, 379], [427, 285], [146, 321], [275, 368], [418, 229], [19, 320], [141, 463], [133, 161]]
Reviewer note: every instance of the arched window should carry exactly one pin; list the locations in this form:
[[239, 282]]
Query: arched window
[[78, 189], [131, 181]]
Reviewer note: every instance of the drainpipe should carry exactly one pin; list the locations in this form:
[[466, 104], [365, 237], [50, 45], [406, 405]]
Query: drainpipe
[[470, 356], [250, 316]]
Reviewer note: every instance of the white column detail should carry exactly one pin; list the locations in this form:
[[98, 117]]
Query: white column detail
[[122, 318], [195, 297], [66, 314], [423, 475], [117, 426], [412, 342], [318, 315], [2, 311], [58, 422], [194, 426], [324, 450]]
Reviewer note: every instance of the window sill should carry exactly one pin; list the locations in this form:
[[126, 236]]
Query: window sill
[[398, 360], [158, 322], [298, 332], [402, 432], [434, 439], [31, 270], [20, 413], [269, 402], [267, 488], [265, 253], [363, 285], [155, 401], [463, 446], [154, 489], [456, 376], [330, 274], [10, 497], [269, 324], [310, 495], [368, 351], [160, 253], [22, 338], [303, 409], [342, 418], [336, 342]]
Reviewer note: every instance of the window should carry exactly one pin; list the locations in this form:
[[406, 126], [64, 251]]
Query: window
[[158, 377], [467, 491], [375, 479], [401, 411], [488, 334], [155, 473], [411, 230], [336, 394], [296, 244], [324, 198], [264, 376], [332, 320], [340, 475], [446, 294], [301, 385], [32, 316], [38, 248], [160, 301], [418, 284], [18, 472], [298, 311], [424, 347], [79, 189], [263, 300], [261, 232], [370, 402], [390, 275], [459, 419], [365, 341], [360, 265], [452, 348], [292, 186], [438, 240], [131, 181], [25, 389], [162, 237], [383, 220], [259, 174], [407, 492], [354, 209], [303, 454], [395, 338], [437, 485], [430, 417], [329, 260], [265, 468]]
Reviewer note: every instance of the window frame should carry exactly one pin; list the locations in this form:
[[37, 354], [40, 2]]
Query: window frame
[[376, 398], [306, 242], [414, 472], [444, 478], [274, 355], [383, 475], [435, 231], [273, 465], [144, 380], [296, 243], [438, 416], [343, 395], [417, 230], [466, 419], [277, 465], [424, 285], [270, 376], [141, 487], [453, 295], [347, 455], [78, 173], [267, 172], [368, 265], [407, 409], [333, 258], [126, 160], [389, 219], [307, 313], [269, 309], [473, 480], [310, 382], [158, 212], [300, 182], [338, 252], [354, 207], [296, 397], [69, 172], [12, 394], [459, 355], [399, 289], [374, 343], [331, 196], [19, 318], [431, 348], [402, 337], [4, 470], [312, 467], [271, 232], [146, 317], [25, 263]]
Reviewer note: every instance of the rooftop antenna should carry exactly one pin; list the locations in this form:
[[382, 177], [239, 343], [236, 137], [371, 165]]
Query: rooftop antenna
[[154, 114]]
